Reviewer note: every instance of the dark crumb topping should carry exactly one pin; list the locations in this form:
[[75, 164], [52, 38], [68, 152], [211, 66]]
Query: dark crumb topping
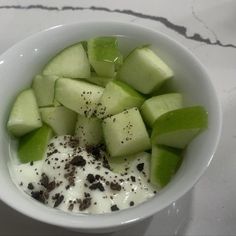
[[140, 167], [115, 186], [58, 201], [78, 161], [30, 186], [114, 208], [31, 163], [44, 180], [84, 204], [38, 195], [97, 185], [71, 207], [91, 178]]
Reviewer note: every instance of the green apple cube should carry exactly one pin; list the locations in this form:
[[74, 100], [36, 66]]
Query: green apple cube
[[104, 55], [61, 119], [99, 80], [125, 133], [32, 146], [79, 96], [165, 161], [72, 62], [122, 163], [118, 97], [144, 70], [88, 130], [178, 127], [24, 116], [154, 107], [43, 87]]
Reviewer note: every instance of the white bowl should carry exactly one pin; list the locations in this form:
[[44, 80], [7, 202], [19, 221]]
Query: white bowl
[[21, 62]]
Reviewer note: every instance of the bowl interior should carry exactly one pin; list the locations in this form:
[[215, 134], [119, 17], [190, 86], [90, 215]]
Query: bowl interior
[[19, 65]]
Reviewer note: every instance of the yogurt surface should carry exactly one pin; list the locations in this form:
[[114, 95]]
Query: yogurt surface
[[78, 179]]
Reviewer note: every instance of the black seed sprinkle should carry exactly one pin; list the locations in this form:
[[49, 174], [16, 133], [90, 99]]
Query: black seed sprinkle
[[133, 178], [31, 163], [131, 203]]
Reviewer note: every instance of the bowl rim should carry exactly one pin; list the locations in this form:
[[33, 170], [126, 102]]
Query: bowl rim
[[129, 215]]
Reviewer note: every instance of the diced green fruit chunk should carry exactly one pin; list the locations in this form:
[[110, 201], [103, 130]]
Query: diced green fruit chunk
[[125, 133], [24, 116], [165, 161], [104, 55], [156, 106], [118, 97], [61, 119], [32, 146], [144, 70], [72, 62], [43, 87], [79, 96], [88, 130], [178, 127], [123, 163], [98, 80]]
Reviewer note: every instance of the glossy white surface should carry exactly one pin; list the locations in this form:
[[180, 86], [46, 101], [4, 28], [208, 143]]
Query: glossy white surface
[[210, 208]]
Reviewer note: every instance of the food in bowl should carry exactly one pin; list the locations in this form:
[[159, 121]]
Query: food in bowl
[[85, 137]]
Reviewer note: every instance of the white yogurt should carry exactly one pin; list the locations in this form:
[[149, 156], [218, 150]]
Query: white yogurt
[[76, 179]]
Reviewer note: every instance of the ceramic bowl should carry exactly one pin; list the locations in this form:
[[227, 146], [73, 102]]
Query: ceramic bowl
[[19, 64]]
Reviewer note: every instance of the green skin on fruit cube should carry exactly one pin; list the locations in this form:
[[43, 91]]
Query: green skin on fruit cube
[[178, 127], [165, 161], [125, 133], [32, 146], [156, 106]]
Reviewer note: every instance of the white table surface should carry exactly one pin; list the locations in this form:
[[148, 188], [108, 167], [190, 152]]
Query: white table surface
[[208, 29]]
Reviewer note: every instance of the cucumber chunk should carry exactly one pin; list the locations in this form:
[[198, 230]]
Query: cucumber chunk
[[104, 55], [98, 80], [125, 133], [32, 146], [144, 70], [61, 119], [178, 127], [165, 161], [154, 107], [88, 131], [79, 96], [24, 116], [43, 87], [72, 62], [117, 97]]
